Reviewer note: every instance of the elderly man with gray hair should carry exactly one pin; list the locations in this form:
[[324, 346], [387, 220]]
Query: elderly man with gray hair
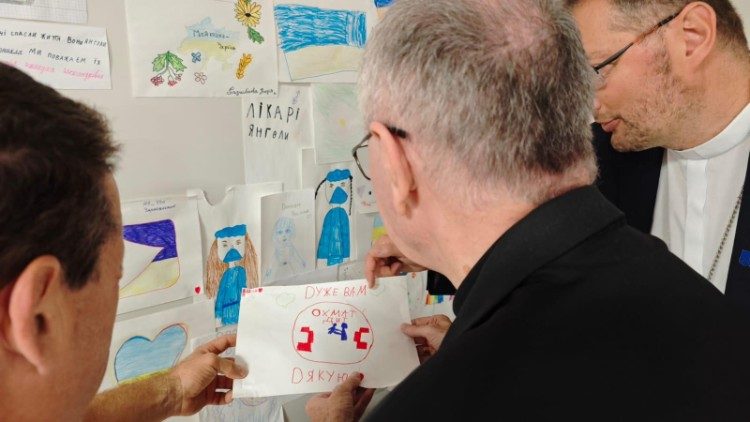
[[481, 159]]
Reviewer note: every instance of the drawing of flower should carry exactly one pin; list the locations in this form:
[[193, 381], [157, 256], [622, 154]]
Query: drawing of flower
[[247, 12], [168, 64], [196, 56], [201, 78]]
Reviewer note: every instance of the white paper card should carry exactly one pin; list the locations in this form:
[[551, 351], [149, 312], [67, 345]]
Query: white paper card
[[202, 48], [338, 122], [231, 236], [274, 131], [171, 225], [288, 235], [61, 56], [306, 339]]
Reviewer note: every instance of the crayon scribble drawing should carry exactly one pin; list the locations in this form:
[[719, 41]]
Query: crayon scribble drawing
[[164, 269], [211, 43], [334, 244], [317, 41], [378, 228], [338, 122], [139, 356], [232, 265]]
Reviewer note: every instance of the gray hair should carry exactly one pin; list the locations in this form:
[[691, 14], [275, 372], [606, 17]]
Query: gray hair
[[498, 92]]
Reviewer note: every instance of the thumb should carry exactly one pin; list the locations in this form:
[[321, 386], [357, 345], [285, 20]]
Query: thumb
[[349, 385], [425, 331]]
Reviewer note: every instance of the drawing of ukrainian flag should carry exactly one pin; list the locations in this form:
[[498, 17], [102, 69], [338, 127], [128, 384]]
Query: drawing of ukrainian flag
[[318, 42], [163, 270]]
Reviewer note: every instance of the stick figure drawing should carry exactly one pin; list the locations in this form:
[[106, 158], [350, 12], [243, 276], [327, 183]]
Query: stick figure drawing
[[334, 243], [232, 265]]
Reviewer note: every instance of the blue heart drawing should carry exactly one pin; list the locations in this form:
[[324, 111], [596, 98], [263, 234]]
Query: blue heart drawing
[[139, 356], [745, 258]]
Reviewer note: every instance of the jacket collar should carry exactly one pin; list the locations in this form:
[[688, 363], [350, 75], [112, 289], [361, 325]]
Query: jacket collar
[[546, 233]]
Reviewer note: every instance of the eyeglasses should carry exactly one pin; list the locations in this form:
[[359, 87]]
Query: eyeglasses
[[600, 76], [400, 133]]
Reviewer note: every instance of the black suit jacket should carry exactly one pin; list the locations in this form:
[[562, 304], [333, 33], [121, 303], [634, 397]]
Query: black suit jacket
[[574, 315]]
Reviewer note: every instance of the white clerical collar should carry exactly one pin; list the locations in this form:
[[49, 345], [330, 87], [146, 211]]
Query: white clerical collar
[[730, 137]]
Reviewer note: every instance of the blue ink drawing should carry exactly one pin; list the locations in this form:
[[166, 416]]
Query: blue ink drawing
[[164, 270], [333, 245], [745, 258], [196, 56], [341, 332], [287, 261], [232, 266], [139, 357], [304, 26]]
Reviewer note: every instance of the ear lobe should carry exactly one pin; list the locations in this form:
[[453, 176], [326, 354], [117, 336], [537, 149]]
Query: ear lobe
[[396, 167], [698, 32], [32, 308]]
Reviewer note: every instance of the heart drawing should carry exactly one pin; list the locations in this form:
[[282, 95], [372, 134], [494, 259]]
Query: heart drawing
[[139, 357]]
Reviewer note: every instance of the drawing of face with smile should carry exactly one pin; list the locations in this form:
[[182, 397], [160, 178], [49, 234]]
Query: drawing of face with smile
[[283, 232]]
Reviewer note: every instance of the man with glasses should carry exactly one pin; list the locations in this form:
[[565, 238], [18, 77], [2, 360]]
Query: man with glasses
[[481, 161], [673, 132]]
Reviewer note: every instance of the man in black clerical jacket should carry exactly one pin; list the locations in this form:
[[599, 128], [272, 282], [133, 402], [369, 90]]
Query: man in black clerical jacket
[[479, 150]]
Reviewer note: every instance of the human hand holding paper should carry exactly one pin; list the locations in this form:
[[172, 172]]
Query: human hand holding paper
[[428, 334], [347, 402], [384, 259]]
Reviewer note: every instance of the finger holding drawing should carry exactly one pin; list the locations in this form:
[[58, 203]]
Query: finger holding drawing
[[384, 259], [428, 334], [346, 403], [198, 377]]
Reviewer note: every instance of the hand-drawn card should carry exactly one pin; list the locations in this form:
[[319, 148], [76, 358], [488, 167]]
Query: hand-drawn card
[[288, 235], [162, 252], [231, 233], [149, 344], [307, 339], [322, 40], [274, 131], [338, 122], [201, 48], [61, 56]]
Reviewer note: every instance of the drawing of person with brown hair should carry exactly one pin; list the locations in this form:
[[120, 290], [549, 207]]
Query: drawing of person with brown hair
[[232, 265]]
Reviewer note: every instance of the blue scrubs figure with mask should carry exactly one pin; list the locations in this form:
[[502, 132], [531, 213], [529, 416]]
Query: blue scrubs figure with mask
[[334, 237], [234, 279]]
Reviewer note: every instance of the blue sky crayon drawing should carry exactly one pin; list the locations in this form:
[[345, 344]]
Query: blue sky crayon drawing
[[140, 356], [317, 41]]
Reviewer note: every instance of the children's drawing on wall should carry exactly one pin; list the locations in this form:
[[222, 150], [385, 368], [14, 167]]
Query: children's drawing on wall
[[160, 252], [231, 234], [378, 228], [202, 48], [274, 130], [321, 44], [335, 328], [232, 265], [383, 6], [140, 357], [152, 343], [335, 230], [288, 237], [338, 122]]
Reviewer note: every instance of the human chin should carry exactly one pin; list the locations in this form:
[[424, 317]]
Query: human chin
[[629, 138]]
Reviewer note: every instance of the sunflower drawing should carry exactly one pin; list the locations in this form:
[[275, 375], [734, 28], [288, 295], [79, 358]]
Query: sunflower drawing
[[247, 12]]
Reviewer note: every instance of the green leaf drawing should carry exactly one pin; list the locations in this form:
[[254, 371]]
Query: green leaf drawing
[[160, 62], [255, 35], [175, 62]]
